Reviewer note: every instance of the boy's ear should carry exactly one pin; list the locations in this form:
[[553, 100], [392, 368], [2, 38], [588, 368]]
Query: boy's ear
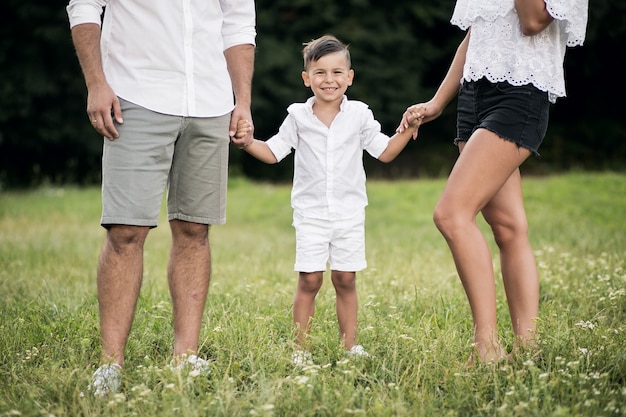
[[305, 78], [350, 76]]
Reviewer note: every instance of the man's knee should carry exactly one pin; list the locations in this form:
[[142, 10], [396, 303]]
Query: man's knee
[[120, 237], [182, 230]]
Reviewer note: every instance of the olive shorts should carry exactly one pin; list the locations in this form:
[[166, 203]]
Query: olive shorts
[[186, 155]]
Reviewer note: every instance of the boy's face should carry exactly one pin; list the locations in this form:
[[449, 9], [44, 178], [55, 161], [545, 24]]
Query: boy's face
[[329, 77]]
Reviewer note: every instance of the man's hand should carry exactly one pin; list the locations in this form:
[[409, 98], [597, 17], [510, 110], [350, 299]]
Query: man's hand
[[237, 136], [103, 108]]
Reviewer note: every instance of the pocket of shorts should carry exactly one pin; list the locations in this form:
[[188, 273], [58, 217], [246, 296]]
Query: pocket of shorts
[[506, 88]]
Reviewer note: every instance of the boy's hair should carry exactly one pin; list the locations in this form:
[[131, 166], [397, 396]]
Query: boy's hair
[[320, 47]]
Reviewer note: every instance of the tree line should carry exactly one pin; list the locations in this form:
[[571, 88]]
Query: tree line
[[400, 52]]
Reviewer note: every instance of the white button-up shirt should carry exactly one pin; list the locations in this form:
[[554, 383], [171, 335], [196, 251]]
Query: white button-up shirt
[[168, 56], [329, 177]]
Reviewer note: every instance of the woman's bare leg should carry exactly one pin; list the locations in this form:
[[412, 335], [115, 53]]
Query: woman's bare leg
[[506, 215], [484, 165]]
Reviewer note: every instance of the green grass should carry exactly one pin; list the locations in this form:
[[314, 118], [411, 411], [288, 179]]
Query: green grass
[[413, 315]]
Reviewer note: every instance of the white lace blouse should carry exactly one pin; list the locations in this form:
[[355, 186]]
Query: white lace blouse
[[500, 52]]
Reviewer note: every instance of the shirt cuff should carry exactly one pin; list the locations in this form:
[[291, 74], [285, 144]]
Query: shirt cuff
[[243, 38], [84, 14], [278, 148]]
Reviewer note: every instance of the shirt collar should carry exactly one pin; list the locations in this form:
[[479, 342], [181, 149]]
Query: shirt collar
[[311, 100]]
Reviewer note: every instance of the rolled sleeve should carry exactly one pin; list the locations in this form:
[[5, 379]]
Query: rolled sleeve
[[85, 11], [378, 145], [279, 147], [374, 141], [239, 22], [285, 140]]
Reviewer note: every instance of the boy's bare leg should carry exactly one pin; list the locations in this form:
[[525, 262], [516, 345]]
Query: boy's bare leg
[[309, 284], [347, 305], [485, 164], [188, 277], [120, 270]]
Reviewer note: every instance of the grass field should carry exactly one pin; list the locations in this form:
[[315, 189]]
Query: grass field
[[413, 314]]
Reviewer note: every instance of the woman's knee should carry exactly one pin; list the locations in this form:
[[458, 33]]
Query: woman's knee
[[508, 230], [446, 219]]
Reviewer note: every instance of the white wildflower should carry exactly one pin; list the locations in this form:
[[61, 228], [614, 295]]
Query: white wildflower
[[585, 325]]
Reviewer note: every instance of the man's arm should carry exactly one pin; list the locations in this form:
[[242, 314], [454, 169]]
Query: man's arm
[[240, 61], [102, 103]]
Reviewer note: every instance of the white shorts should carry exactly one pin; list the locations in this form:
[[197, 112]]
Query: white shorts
[[340, 242]]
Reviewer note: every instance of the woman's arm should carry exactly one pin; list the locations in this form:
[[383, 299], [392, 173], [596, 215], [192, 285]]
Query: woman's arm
[[448, 89], [533, 16]]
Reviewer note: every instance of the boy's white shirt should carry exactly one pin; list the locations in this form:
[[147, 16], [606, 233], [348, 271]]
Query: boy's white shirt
[[329, 176]]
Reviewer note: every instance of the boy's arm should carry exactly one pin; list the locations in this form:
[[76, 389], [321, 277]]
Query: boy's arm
[[260, 151], [398, 141], [396, 144], [257, 148]]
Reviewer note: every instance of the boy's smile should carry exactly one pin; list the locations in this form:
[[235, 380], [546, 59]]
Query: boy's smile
[[329, 77]]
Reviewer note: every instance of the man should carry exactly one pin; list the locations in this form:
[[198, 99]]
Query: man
[[167, 83]]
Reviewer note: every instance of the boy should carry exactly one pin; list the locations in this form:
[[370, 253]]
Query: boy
[[329, 133]]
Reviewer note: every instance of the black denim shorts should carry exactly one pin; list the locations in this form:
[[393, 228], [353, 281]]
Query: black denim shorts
[[515, 113]]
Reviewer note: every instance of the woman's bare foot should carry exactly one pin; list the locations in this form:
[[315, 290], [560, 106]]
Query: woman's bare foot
[[483, 355]]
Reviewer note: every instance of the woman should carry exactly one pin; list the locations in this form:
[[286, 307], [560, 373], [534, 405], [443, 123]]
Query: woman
[[509, 68]]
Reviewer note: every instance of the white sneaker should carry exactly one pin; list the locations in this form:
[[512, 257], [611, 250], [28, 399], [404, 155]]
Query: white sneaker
[[194, 364], [357, 351], [301, 358], [106, 379]]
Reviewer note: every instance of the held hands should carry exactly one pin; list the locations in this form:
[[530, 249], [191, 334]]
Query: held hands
[[414, 118], [241, 116], [241, 137], [419, 113], [411, 120]]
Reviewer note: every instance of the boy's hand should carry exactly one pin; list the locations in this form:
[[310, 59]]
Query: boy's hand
[[425, 111], [414, 117], [411, 119], [239, 137]]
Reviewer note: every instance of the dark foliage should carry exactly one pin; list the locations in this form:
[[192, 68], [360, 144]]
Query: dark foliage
[[400, 51]]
